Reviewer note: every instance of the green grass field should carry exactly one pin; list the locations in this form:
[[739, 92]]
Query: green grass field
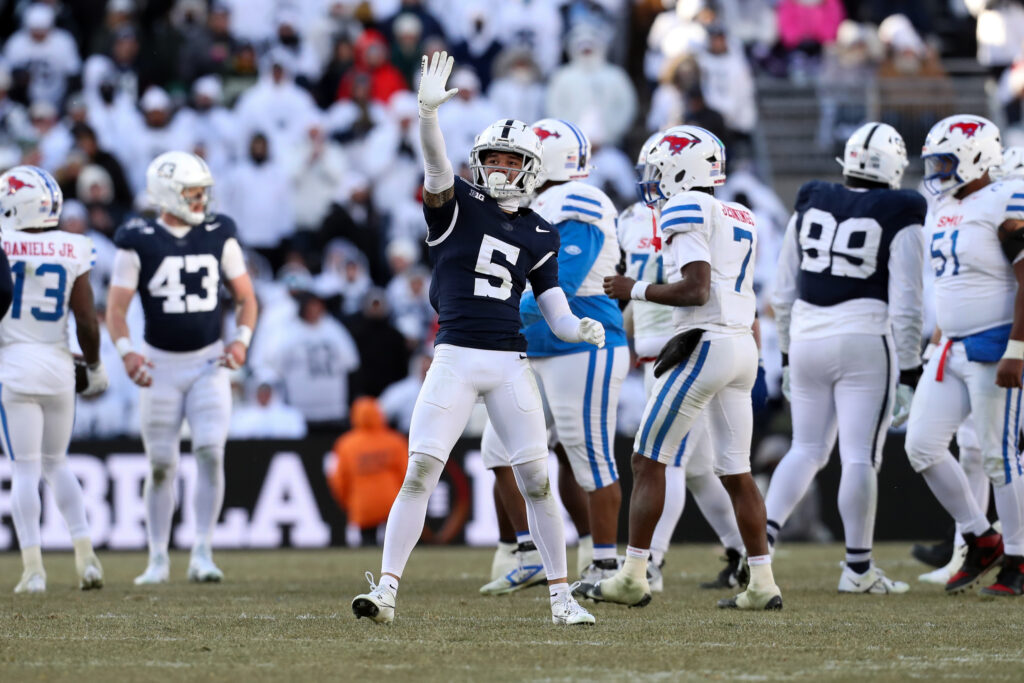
[[285, 615]]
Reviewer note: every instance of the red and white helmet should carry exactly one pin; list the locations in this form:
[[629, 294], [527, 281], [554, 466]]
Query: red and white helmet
[[565, 151], [958, 150], [29, 198], [169, 175], [1013, 164], [875, 152], [684, 157], [506, 135]]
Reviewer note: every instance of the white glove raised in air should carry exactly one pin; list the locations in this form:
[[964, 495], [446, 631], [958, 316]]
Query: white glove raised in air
[[96, 380], [591, 331], [434, 74], [901, 406]]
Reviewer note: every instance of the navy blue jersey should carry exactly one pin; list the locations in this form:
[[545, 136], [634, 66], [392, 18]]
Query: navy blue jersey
[[179, 280], [844, 237], [482, 259]]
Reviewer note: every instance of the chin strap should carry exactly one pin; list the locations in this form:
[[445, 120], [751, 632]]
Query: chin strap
[[510, 204]]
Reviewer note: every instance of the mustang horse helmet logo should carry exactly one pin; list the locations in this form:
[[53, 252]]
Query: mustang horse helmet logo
[[969, 128], [677, 143], [544, 134], [13, 185]]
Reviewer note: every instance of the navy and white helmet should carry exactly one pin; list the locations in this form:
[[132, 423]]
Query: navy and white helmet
[[682, 158], [169, 175], [565, 151], [506, 135], [29, 198], [875, 152]]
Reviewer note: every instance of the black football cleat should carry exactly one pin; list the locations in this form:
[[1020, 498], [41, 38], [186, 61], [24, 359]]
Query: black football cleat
[[727, 578], [1010, 582], [983, 555], [936, 555]]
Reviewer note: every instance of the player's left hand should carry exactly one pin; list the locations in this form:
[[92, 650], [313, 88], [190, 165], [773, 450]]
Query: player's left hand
[[901, 406], [591, 332], [234, 355], [619, 287], [96, 380], [1008, 373]]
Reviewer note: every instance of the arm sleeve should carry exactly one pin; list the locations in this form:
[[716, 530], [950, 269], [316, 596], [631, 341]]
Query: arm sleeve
[[786, 284], [126, 269], [437, 169], [529, 311], [574, 264], [555, 308], [232, 262], [906, 298]]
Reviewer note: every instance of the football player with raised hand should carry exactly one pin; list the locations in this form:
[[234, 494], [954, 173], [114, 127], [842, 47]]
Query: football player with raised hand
[[177, 262], [709, 365], [484, 249], [37, 370], [975, 236], [848, 305]]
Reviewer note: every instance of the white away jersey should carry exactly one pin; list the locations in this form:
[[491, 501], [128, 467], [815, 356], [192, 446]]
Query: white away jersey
[[640, 238], [34, 355], [974, 282], [576, 201], [698, 227]]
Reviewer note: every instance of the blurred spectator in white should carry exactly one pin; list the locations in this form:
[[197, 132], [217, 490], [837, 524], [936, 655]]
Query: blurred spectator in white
[[848, 70], [349, 121], [480, 41], [213, 127], [611, 170], [120, 14], [680, 75], [267, 417], [251, 20], [15, 126], [1000, 32], [517, 89], [465, 115], [87, 143], [674, 33], [407, 33], [344, 273], [409, 298], [431, 26], [339, 22], [276, 106], [398, 399], [383, 349], [372, 62], [50, 135], [127, 62], [314, 355], [162, 131], [751, 22], [47, 53], [338, 63], [278, 305], [257, 195], [728, 87], [305, 58], [532, 24], [74, 217], [112, 112], [391, 156], [589, 87], [316, 167], [1011, 98]]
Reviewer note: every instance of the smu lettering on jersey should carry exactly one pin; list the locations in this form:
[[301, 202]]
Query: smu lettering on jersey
[[974, 283], [851, 264], [34, 354], [640, 238], [483, 258], [179, 280], [585, 220], [698, 227]]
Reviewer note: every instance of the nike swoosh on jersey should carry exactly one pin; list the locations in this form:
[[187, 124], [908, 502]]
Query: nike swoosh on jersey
[[212, 226], [540, 230]]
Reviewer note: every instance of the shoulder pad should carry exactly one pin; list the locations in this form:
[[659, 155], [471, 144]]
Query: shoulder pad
[[1014, 194], [807, 192], [129, 233], [223, 225], [686, 212], [913, 204], [577, 201]]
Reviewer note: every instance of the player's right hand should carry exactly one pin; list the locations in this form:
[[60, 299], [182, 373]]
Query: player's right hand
[[592, 332], [901, 406], [434, 72], [96, 380], [137, 366]]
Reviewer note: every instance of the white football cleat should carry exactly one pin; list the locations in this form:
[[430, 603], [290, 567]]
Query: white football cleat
[[568, 612], [90, 572], [655, 578], [872, 581], [620, 588], [201, 568], [31, 582], [595, 573], [754, 599], [157, 571], [504, 561], [942, 575], [529, 571], [378, 605]]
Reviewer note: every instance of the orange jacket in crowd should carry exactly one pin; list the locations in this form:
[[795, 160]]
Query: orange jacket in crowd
[[369, 466]]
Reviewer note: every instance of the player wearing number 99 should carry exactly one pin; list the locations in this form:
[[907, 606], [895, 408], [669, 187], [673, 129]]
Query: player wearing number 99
[[710, 365], [485, 249], [975, 233], [37, 374], [848, 289], [177, 262]]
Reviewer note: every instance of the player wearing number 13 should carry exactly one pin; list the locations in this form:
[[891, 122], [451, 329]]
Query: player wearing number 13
[[177, 262]]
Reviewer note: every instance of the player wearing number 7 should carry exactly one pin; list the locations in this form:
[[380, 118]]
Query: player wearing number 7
[[848, 290], [485, 249], [177, 262]]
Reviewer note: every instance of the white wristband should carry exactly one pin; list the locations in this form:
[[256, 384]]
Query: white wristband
[[639, 291], [1014, 350], [124, 346], [244, 334]]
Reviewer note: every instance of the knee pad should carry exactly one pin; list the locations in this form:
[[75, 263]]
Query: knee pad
[[533, 479], [163, 463], [210, 454], [920, 453], [421, 476]]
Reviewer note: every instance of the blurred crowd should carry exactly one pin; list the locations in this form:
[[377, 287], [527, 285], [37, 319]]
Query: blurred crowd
[[306, 112]]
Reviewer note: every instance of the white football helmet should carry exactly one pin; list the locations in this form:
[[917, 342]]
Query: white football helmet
[[641, 158], [169, 175], [1013, 164], [565, 151], [682, 158], [29, 198], [875, 152], [959, 149], [506, 135]]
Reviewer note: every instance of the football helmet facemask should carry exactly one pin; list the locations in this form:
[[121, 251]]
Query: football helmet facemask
[[170, 175], [959, 149], [511, 136]]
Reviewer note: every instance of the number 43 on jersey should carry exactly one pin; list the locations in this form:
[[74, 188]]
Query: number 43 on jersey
[[168, 283]]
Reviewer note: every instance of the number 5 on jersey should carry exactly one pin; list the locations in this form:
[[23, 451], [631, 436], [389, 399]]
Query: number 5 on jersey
[[167, 283]]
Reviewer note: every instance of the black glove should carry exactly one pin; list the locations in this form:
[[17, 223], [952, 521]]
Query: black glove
[[911, 377], [676, 351]]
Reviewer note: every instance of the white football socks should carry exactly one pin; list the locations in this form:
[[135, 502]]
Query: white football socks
[[67, 491], [671, 511], [26, 505], [858, 500], [544, 515], [158, 493], [209, 496], [949, 484], [409, 512]]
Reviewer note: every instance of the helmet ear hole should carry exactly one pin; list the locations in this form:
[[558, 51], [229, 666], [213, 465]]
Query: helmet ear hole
[[679, 176]]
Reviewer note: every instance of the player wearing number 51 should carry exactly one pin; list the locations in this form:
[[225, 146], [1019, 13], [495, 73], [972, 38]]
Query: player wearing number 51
[[176, 262], [484, 249]]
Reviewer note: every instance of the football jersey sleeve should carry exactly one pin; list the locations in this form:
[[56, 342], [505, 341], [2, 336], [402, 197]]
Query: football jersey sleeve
[[85, 253], [687, 212], [786, 290], [232, 262], [544, 273], [441, 220], [126, 269], [1015, 203]]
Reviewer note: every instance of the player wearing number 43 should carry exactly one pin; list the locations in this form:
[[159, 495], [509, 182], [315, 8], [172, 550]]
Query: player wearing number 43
[[709, 366], [37, 373], [975, 233], [848, 290], [484, 249], [177, 262]]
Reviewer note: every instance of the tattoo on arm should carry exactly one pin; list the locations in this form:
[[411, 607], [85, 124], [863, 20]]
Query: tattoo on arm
[[435, 200]]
